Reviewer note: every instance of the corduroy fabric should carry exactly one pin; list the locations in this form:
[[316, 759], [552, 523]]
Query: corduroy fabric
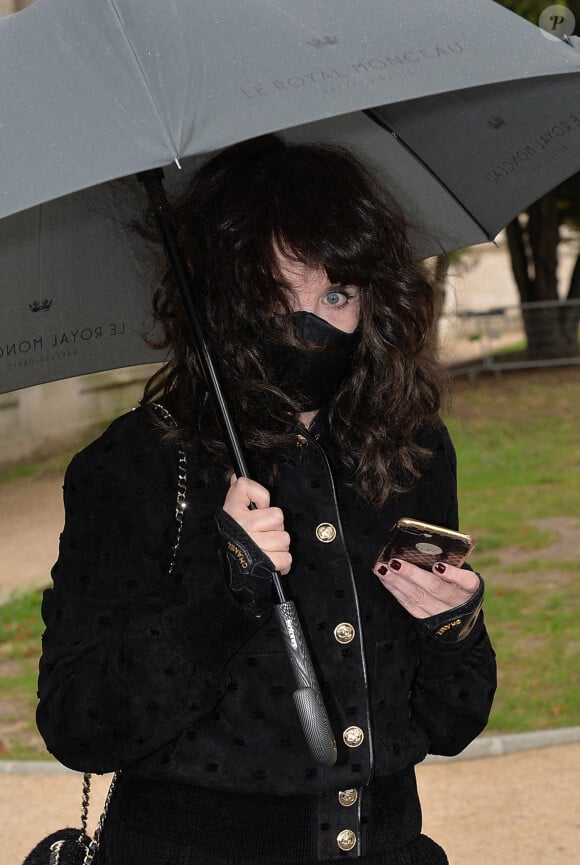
[[180, 824], [261, 829], [124, 846]]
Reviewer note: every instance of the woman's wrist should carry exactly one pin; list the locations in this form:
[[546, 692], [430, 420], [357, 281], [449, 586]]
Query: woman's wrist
[[455, 625]]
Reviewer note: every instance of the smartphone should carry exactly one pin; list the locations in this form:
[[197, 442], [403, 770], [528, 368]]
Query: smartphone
[[423, 544]]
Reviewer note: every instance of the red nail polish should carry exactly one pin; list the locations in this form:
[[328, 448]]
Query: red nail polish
[[395, 565], [382, 570], [440, 567]]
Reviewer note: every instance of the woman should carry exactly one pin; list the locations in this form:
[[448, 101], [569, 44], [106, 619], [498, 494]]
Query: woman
[[161, 654]]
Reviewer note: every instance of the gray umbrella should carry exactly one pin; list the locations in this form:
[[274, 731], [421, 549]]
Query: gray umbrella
[[468, 111]]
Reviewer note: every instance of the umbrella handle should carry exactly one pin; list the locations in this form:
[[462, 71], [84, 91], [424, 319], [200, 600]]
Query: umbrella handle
[[308, 697]]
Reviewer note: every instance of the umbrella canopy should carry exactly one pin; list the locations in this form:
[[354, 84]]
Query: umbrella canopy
[[469, 113]]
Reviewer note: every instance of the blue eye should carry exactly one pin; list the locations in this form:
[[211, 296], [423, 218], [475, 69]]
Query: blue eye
[[334, 298]]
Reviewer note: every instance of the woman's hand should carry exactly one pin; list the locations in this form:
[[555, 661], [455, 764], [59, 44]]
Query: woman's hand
[[427, 593], [264, 525]]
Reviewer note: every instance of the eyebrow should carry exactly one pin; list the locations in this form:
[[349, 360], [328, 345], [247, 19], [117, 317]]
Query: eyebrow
[[335, 286], [343, 286]]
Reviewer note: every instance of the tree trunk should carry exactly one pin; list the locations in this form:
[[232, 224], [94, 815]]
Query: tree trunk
[[439, 279], [545, 339], [534, 259], [519, 258], [570, 315]]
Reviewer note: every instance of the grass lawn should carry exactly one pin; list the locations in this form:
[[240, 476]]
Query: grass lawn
[[518, 445], [20, 630]]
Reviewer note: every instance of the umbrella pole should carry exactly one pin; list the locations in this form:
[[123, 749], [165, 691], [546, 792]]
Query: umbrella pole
[[308, 696]]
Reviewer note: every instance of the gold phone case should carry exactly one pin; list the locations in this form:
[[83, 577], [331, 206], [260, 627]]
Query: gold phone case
[[423, 544]]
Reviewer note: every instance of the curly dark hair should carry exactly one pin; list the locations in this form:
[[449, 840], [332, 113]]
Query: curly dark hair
[[318, 204]]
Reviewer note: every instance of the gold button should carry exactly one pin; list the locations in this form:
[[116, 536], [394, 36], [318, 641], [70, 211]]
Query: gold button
[[325, 532], [346, 839], [353, 737], [301, 441], [347, 797], [344, 633]]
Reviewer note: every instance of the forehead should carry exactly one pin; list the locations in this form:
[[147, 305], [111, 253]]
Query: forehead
[[299, 276]]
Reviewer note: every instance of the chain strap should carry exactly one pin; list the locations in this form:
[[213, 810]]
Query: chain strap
[[96, 839], [85, 804], [180, 505]]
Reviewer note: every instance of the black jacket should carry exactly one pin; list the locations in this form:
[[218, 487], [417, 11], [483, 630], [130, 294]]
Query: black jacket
[[173, 679]]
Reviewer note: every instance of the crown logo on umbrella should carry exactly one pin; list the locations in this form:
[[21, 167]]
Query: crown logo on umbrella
[[326, 40], [40, 305]]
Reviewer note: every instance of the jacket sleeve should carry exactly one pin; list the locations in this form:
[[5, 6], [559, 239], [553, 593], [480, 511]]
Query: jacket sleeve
[[454, 689], [130, 659], [455, 682]]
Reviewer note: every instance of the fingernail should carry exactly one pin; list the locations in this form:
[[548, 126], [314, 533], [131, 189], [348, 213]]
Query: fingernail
[[382, 570], [439, 567], [395, 565]]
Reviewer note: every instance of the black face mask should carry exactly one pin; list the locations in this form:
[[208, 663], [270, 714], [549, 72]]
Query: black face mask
[[312, 377]]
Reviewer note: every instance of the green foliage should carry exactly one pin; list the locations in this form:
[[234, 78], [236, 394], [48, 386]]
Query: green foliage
[[517, 445], [517, 441], [21, 625], [536, 638], [24, 470], [20, 631]]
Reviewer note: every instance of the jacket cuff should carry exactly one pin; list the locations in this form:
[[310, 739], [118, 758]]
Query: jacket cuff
[[247, 569]]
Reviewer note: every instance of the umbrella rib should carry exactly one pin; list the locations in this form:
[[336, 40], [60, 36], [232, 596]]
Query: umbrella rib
[[290, 17], [143, 76], [376, 118]]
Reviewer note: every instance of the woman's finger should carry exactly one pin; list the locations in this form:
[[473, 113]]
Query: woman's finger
[[412, 597], [418, 584], [425, 591], [242, 491], [444, 582], [260, 520], [281, 561], [419, 610], [275, 542], [466, 581]]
